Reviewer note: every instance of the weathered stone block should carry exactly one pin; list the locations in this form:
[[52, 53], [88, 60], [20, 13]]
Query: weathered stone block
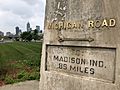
[[81, 48]]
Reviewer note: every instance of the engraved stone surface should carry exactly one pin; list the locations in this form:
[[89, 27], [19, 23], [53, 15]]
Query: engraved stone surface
[[81, 48], [91, 62]]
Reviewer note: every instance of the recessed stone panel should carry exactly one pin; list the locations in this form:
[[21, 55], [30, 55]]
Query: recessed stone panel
[[92, 62]]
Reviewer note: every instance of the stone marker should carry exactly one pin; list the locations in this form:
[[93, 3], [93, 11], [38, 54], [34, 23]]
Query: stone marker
[[81, 49]]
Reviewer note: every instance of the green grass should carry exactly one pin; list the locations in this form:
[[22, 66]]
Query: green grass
[[19, 61]]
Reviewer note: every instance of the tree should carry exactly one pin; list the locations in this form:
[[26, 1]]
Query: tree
[[36, 32], [35, 35], [27, 36]]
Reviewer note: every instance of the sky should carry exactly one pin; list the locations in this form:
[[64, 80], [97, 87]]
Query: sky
[[18, 12]]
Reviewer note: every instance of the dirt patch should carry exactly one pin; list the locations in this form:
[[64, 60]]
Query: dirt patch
[[28, 85], [2, 83]]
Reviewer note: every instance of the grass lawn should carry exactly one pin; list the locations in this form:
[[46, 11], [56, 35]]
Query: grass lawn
[[19, 61]]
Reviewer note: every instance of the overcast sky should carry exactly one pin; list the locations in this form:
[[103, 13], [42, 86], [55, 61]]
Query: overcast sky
[[18, 12]]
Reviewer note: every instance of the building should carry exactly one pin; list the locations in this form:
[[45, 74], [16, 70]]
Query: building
[[1, 33], [38, 28], [17, 30], [20, 32], [32, 31], [9, 34], [28, 27]]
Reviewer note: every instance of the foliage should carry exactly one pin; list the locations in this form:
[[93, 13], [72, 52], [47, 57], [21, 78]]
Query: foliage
[[1, 37], [34, 76], [20, 61], [9, 80], [28, 36], [22, 74]]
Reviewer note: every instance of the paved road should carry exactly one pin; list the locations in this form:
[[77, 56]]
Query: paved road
[[28, 85]]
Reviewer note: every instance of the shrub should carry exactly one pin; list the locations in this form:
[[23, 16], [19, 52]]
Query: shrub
[[9, 80], [34, 76], [22, 75]]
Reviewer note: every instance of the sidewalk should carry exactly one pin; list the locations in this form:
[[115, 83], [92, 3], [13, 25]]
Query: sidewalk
[[28, 85]]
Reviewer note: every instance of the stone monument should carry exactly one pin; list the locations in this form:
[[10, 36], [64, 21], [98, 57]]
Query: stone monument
[[81, 48]]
